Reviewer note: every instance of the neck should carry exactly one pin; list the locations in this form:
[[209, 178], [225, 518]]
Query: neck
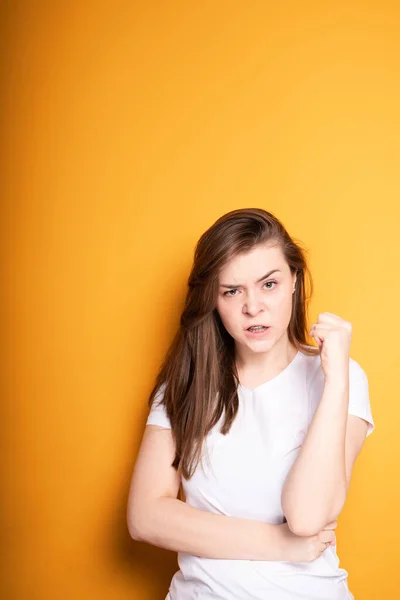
[[268, 362]]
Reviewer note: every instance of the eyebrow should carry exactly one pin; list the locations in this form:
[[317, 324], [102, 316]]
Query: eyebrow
[[258, 280]]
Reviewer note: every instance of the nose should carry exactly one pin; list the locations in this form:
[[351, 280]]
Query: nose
[[253, 304]]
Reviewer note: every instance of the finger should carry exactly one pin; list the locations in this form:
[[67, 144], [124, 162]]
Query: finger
[[320, 327], [327, 536], [335, 320], [319, 331], [318, 339], [329, 317], [331, 525]]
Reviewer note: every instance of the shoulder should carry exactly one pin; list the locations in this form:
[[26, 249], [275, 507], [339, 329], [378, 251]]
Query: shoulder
[[311, 365], [158, 413], [359, 402], [159, 396], [356, 370], [315, 375]]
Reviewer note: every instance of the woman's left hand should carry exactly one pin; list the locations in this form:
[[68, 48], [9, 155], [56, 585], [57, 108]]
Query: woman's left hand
[[333, 336]]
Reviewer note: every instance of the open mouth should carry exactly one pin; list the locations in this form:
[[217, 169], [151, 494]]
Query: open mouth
[[257, 330]]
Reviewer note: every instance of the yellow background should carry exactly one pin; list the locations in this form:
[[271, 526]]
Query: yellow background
[[127, 129]]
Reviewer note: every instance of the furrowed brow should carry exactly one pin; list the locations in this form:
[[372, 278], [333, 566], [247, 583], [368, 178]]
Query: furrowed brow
[[224, 285]]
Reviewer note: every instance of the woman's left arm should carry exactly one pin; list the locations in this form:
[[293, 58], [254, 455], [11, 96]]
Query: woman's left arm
[[316, 487]]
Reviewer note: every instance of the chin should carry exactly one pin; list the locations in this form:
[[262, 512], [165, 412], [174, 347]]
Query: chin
[[259, 344]]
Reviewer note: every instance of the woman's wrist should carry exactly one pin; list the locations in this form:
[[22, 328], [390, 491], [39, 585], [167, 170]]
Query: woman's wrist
[[276, 544], [339, 378]]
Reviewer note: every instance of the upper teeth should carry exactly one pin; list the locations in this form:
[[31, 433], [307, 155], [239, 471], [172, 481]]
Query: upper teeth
[[257, 327]]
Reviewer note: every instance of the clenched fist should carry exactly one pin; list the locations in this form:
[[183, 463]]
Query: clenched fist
[[333, 336]]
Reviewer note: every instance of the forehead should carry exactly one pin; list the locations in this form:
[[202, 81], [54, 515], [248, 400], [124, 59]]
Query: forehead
[[252, 265]]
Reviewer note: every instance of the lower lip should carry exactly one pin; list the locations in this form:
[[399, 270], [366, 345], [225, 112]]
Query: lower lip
[[257, 334]]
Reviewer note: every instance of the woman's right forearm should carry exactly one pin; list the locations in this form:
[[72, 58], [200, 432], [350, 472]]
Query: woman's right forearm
[[175, 525]]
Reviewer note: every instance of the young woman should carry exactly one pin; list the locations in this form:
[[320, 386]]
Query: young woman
[[260, 428]]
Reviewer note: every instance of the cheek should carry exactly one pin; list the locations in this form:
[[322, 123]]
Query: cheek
[[282, 308], [286, 308]]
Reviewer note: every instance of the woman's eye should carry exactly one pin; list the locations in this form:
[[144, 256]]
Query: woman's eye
[[229, 292]]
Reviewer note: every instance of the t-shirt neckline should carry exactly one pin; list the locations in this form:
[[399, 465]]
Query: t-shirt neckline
[[285, 371]]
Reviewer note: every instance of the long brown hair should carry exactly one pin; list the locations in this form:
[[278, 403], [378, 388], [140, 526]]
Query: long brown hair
[[197, 381]]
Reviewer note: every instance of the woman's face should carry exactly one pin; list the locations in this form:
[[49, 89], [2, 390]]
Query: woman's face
[[251, 294]]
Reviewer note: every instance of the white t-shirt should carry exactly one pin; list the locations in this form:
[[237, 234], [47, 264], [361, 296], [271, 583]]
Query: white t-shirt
[[248, 468]]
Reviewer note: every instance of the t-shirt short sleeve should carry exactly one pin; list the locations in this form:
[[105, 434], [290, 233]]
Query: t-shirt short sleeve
[[158, 414], [359, 401]]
